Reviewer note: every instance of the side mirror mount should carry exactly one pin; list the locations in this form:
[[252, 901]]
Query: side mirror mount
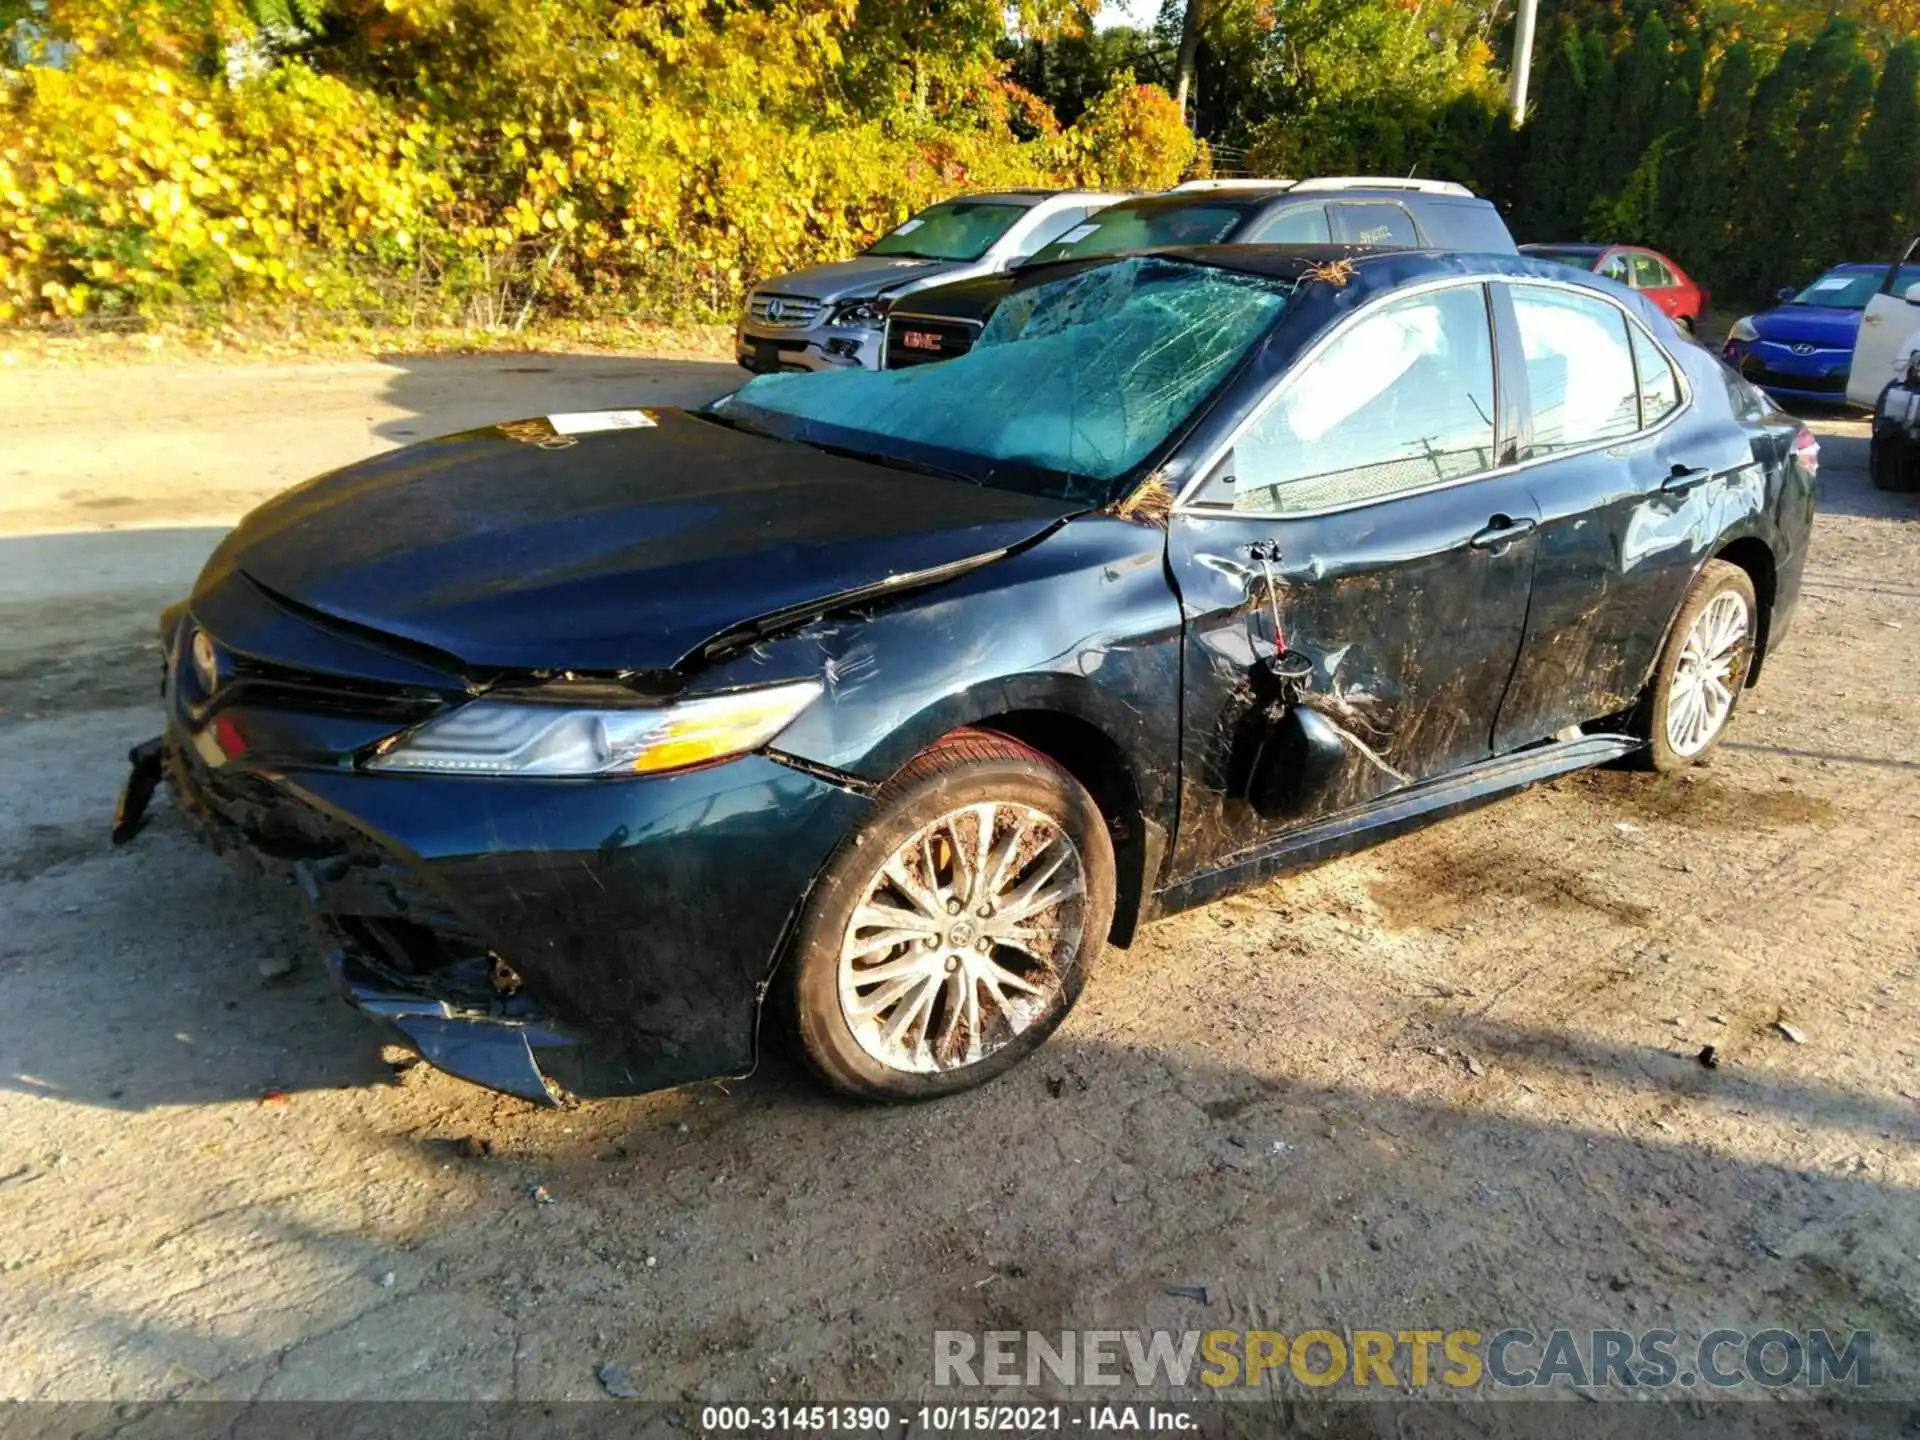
[[1219, 486], [1913, 294], [1785, 293]]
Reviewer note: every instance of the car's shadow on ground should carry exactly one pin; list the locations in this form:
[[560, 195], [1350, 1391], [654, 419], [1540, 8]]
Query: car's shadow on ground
[[1028, 1206]]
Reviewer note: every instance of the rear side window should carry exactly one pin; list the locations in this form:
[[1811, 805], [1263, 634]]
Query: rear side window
[[1748, 403], [1471, 225], [1372, 223], [1659, 387], [1302, 225], [1615, 268], [1579, 369], [1401, 401], [1650, 274]]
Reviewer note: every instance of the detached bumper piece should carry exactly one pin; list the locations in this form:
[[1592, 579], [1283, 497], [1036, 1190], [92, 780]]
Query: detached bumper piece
[[148, 765], [397, 951]]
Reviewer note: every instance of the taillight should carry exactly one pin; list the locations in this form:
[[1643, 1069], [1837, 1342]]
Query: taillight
[[1806, 452]]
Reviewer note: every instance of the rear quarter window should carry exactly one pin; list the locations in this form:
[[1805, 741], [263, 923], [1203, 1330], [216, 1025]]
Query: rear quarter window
[[1472, 225], [1747, 402]]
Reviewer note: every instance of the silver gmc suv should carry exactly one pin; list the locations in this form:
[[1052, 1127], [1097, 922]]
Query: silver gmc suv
[[835, 315]]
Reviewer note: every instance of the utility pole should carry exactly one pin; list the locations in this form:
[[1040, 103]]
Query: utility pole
[[1526, 12]]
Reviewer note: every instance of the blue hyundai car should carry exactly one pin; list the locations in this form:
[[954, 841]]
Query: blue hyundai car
[[1802, 349]]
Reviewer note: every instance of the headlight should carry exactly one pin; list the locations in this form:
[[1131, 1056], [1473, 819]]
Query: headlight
[[1742, 331], [870, 312], [514, 737]]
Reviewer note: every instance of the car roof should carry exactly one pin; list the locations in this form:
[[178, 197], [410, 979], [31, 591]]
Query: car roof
[[1239, 197], [1379, 269], [1017, 197]]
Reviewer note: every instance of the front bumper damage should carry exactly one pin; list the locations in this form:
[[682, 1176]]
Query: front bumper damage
[[764, 350], [548, 939]]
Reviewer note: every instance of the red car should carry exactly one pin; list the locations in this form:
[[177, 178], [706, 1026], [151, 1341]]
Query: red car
[[1648, 271]]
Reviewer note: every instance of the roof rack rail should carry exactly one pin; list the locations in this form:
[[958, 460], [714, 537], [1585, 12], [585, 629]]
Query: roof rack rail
[[1249, 183], [1382, 182]]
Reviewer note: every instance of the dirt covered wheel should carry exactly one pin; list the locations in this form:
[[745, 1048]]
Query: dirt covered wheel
[[1702, 670], [952, 933]]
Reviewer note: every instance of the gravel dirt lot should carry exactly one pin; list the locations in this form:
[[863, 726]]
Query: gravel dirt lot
[[1450, 1082]]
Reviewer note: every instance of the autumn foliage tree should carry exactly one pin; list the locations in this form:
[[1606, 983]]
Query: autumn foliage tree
[[484, 160]]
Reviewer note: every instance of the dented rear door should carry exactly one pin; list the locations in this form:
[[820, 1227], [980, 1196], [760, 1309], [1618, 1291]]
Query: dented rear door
[[1635, 479]]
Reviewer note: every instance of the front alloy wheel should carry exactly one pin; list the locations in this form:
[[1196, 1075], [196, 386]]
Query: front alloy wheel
[[958, 945], [952, 933]]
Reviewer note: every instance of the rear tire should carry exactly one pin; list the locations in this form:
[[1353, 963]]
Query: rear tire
[[1702, 670], [1890, 470], [950, 935]]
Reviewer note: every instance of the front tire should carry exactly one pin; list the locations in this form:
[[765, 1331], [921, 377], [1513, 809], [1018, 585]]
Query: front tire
[[951, 934], [1702, 670]]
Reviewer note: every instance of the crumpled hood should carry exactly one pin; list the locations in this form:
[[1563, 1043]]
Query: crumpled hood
[[622, 550], [861, 276], [1820, 325]]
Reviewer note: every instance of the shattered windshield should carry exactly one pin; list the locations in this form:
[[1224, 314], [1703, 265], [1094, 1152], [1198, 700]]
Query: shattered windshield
[[1070, 385], [1143, 227]]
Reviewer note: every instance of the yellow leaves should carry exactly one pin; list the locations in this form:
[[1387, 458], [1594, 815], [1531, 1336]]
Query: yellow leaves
[[300, 185]]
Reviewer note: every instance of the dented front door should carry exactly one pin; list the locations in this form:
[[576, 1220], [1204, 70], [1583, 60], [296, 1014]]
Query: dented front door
[[1354, 573], [1411, 613]]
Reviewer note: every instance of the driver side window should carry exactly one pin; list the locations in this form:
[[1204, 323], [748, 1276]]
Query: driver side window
[[1402, 400]]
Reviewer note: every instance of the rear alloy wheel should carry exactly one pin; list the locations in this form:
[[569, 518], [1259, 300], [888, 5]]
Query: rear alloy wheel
[[1703, 668], [953, 933]]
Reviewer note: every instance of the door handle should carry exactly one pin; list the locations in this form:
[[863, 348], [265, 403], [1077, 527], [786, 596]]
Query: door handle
[[1682, 479], [1503, 530], [1871, 319]]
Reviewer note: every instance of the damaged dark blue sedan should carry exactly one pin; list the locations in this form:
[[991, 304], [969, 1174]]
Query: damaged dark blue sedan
[[882, 702]]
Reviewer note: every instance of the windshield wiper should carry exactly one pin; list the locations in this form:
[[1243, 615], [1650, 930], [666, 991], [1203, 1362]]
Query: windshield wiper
[[845, 452]]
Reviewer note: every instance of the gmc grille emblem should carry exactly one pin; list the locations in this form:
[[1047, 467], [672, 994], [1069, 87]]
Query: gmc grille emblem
[[919, 340]]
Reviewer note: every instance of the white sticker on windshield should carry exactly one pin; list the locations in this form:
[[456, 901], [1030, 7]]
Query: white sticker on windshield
[[908, 227], [1079, 232], [1834, 282], [588, 422]]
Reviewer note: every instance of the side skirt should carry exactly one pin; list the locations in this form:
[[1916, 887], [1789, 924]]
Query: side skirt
[[1395, 814]]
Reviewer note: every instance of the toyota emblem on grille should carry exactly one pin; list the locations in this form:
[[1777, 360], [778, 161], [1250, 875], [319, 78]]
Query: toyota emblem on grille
[[1804, 349]]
